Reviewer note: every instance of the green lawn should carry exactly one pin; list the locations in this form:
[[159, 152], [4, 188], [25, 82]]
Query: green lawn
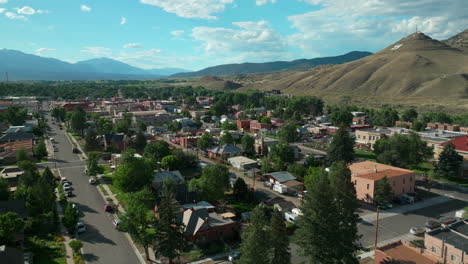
[[365, 155], [462, 182], [48, 250], [241, 207]]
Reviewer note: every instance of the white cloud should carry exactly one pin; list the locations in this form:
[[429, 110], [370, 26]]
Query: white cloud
[[177, 33], [85, 8], [39, 51], [3, 1], [132, 46], [26, 10], [2, 10], [254, 41], [191, 8], [340, 26], [264, 2], [123, 21], [98, 51], [12, 15]]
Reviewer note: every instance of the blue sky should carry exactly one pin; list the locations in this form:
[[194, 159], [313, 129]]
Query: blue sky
[[194, 34]]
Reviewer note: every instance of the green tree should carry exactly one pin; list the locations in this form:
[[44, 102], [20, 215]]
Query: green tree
[[312, 173], [341, 147], [76, 245], [279, 241], [78, 120], [212, 184], [104, 126], [49, 177], [405, 151], [341, 117], [229, 125], [4, 189], [266, 165], [288, 132], [40, 150], [133, 174], [347, 205], [59, 113], [265, 120], [92, 164], [123, 126], [16, 115], [226, 138], [281, 155], [140, 223], [205, 141], [10, 224], [240, 190], [170, 238], [316, 235], [409, 115], [141, 126], [157, 150], [91, 139], [169, 162], [418, 125], [248, 145], [298, 170], [186, 113], [70, 218], [219, 108], [383, 191], [22, 155], [254, 248], [450, 164], [140, 141], [174, 126]]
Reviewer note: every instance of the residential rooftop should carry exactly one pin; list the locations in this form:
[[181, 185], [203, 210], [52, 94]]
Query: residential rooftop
[[456, 235]]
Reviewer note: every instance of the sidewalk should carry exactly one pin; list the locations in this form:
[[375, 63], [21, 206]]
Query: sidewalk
[[66, 237], [404, 209]]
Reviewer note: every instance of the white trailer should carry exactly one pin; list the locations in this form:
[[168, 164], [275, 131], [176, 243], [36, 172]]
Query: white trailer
[[281, 188]]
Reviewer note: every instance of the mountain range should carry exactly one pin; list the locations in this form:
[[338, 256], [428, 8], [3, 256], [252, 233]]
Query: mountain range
[[415, 69], [276, 66], [23, 66]]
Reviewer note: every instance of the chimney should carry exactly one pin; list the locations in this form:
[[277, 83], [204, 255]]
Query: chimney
[[375, 168]]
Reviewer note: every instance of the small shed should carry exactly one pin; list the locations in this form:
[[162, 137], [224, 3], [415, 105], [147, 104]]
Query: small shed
[[242, 163]]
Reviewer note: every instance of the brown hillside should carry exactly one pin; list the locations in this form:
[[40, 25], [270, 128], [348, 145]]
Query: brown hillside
[[416, 68], [459, 41]]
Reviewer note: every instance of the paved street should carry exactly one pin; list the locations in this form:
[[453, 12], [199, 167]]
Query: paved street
[[102, 243]]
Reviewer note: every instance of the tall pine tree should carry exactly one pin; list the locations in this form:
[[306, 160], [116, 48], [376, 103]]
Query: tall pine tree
[[341, 147], [254, 248], [279, 241], [450, 162], [318, 235], [170, 238], [346, 204]]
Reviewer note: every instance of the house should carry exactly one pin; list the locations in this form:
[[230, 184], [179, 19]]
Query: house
[[202, 226], [161, 176], [116, 159], [70, 106], [359, 118], [366, 174], [10, 143], [118, 142], [19, 129], [11, 255], [398, 252], [448, 245], [461, 146], [365, 139], [256, 126], [262, 145], [243, 163], [152, 118], [200, 205], [187, 142], [280, 177], [224, 152], [243, 124], [12, 175]]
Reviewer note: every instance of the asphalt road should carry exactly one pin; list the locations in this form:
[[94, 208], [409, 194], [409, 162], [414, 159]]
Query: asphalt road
[[102, 243]]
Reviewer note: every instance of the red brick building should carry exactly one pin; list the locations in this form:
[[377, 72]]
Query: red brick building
[[257, 126], [399, 252], [243, 125], [70, 106], [202, 226]]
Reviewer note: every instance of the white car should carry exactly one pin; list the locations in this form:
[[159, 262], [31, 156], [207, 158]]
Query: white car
[[92, 180], [417, 231], [80, 227], [63, 180]]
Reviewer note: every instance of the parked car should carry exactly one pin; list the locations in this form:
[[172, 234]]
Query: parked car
[[109, 207], [63, 180], [234, 255], [69, 193], [432, 224], [460, 214], [75, 150], [92, 180], [447, 220], [116, 222], [80, 227], [67, 188], [417, 231]]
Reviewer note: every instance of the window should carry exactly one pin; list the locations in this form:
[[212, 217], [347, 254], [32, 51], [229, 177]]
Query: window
[[403, 180], [453, 257], [434, 249], [363, 137], [367, 186], [355, 182]]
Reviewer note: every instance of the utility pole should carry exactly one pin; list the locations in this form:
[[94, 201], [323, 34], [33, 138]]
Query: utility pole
[[376, 230], [6, 76]]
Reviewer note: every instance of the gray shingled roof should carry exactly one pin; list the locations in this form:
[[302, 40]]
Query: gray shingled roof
[[282, 176]]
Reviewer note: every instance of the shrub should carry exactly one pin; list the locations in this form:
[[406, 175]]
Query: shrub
[[76, 245]]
